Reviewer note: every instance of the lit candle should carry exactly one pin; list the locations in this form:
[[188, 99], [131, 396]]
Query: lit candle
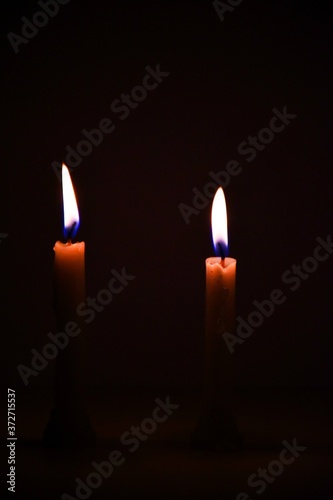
[[69, 267], [216, 428], [220, 307], [69, 424]]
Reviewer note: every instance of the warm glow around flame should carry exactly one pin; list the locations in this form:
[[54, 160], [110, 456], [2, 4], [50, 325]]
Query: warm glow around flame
[[71, 213], [220, 224]]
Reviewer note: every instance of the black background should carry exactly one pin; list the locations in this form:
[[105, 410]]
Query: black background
[[225, 79]]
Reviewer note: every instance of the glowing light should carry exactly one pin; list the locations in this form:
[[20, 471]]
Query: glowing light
[[220, 224], [71, 212]]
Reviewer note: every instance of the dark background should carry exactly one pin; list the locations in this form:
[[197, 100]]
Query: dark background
[[225, 79]]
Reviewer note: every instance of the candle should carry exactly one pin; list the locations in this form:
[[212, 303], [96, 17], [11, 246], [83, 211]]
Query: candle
[[217, 428], [69, 424], [69, 265], [220, 308]]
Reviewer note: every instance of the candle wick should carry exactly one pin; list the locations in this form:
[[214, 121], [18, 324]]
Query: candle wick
[[221, 249], [71, 231]]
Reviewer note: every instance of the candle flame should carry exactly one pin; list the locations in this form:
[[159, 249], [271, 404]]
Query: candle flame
[[71, 213], [220, 224]]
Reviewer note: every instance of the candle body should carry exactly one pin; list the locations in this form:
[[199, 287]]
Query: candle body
[[220, 318], [69, 289], [216, 428], [69, 272], [69, 424]]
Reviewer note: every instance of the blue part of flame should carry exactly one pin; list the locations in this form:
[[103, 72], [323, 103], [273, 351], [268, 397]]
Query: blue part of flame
[[70, 231], [221, 249]]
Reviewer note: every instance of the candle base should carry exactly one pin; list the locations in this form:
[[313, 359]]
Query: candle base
[[69, 429], [217, 431]]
